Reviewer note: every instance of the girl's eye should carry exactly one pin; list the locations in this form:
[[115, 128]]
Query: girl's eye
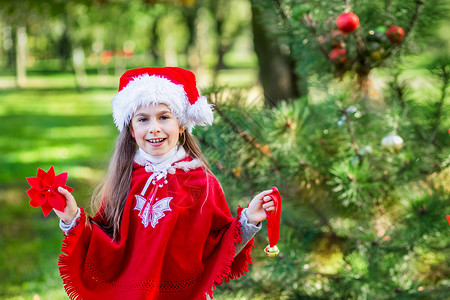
[[164, 117], [142, 119]]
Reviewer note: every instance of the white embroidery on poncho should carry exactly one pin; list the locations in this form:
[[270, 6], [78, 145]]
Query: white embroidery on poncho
[[152, 213]]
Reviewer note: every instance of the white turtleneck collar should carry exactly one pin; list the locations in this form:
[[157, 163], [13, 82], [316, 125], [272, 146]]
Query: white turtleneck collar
[[163, 161]]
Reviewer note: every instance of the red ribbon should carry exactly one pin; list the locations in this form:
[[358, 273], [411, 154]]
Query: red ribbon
[[273, 218]]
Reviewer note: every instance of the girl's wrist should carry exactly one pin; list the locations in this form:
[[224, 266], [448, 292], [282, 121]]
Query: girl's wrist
[[67, 221], [250, 218], [255, 223], [65, 227], [70, 219]]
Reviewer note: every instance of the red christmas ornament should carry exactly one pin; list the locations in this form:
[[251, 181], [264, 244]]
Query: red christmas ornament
[[347, 22], [273, 224], [338, 55], [395, 34], [44, 190]]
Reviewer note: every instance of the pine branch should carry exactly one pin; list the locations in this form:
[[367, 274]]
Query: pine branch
[[308, 167], [388, 7], [436, 168], [414, 18], [263, 148], [399, 90], [445, 82], [229, 172], [323, 219], [407, 30], [280, 11], [351, 132], [254, 143], [246, 137], [309, 24], [307, 21]]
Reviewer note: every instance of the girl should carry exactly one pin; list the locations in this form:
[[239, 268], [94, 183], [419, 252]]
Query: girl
[[163, 229]]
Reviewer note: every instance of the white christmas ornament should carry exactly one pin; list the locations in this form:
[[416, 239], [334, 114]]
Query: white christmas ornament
[[392, 143]]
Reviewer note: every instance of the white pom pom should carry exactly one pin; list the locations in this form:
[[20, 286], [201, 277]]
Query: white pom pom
[[201, 112]]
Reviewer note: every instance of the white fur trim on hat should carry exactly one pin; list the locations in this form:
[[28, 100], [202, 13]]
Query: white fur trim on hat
[[145, 90], [201, 112]]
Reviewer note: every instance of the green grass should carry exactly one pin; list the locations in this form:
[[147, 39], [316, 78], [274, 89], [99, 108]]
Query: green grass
[[50, 125]]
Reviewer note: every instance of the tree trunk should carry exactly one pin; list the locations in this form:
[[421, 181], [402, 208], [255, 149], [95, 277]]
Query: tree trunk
[[190, 16], [220, 46], [65, 47], [276, 70], [154, 37], [9, 46]]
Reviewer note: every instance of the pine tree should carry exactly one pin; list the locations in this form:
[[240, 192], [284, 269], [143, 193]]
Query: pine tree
[[364, 170]]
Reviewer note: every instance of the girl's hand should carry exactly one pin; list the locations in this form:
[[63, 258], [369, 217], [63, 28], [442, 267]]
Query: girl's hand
[[257, 207], [71, 209]]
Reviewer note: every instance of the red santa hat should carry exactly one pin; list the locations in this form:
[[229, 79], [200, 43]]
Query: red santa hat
[[175, 87]]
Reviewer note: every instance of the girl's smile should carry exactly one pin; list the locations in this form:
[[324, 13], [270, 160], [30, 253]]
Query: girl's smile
[[156, 142], [155, 129]]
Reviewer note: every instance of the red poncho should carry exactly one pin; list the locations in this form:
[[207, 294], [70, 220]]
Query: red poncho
[[178, 244]]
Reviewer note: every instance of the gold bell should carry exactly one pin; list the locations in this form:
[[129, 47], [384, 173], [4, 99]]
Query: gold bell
[[271, 251]]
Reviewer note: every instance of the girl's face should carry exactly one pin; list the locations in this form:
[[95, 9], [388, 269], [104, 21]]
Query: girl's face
[[155, 129]]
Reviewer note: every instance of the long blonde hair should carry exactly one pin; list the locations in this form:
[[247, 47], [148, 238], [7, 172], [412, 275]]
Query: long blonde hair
[[111, 194]]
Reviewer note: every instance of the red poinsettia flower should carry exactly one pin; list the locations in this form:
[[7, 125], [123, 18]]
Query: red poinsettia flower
[[44, 190]]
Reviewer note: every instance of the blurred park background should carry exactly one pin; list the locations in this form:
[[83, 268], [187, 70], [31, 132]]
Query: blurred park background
[[353, 128]]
